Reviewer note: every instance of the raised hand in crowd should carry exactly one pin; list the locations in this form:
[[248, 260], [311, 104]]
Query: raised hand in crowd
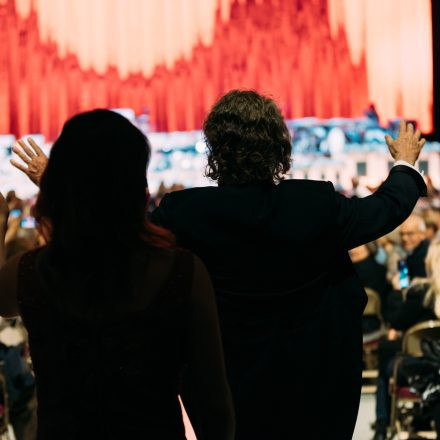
[[407, 145], [34, 158]]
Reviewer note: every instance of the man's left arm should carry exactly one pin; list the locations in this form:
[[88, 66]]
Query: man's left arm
[[360, 221]]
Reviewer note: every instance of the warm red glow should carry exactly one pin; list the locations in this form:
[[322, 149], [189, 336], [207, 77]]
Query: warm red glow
[[175, 57]]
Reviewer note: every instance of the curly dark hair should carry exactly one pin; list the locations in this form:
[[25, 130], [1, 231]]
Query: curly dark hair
[[247, 139]]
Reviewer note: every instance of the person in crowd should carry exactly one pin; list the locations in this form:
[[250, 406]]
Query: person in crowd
[[431, 189], [390, 252], [431, 229], [413, 235], [13, 201], [358, 189], [290, 302], [372, 275], [421, 302], [113, 308]]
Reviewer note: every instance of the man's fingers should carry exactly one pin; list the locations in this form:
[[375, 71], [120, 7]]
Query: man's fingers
[[26, 149], [35, 146], [20, 153], [19, 166], [390, 141], [402, 128], [421, 142], [410, 129], [417, 134]]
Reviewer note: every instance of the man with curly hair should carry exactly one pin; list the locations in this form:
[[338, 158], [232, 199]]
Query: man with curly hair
[[289, 301]]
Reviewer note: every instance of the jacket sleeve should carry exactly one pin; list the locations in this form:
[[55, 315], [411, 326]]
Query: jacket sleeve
[[359, 221]]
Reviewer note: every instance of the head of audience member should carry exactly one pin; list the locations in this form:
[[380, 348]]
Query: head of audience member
[[432, 262], [412, 232], [98, 203], [433, 213], [13, 201], [431, 229], [431, 189], [248, 141]]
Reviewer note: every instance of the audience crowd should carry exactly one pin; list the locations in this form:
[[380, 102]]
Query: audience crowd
[[376, 264], [404, 303]]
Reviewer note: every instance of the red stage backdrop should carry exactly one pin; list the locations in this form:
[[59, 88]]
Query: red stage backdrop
[[321, 58]]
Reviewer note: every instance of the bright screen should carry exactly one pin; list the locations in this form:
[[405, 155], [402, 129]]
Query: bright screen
[[171, 59]]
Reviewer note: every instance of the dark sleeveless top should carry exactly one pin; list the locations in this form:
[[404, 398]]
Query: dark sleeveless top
[[116, 379]]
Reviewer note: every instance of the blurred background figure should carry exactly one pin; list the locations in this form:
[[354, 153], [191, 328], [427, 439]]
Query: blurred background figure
[[415, 243], [407, 307], [372, 275]]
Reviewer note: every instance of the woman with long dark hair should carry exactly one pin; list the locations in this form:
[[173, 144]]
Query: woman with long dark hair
[[116, 313]]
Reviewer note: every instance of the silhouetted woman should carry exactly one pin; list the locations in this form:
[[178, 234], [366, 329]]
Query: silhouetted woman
[[114, 310]]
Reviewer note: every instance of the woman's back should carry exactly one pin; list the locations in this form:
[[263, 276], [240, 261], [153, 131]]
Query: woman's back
[[118, 375], [113, 310]]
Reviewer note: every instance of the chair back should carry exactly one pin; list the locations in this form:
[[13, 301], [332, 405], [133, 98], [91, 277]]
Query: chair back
[[414, 336], [373, 307]]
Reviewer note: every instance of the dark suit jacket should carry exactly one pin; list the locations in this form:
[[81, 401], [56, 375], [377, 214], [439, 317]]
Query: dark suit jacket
[[416, 260], [290, 303], [410, 309]]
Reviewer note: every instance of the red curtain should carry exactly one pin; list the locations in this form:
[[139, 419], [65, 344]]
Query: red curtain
[[285, 51]]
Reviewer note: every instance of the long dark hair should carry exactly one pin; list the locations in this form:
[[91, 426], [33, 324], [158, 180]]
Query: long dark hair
[[248, 140], [93, 201]]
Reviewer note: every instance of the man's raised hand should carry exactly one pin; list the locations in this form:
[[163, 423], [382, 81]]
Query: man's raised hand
[[33, 157], [407, 145]]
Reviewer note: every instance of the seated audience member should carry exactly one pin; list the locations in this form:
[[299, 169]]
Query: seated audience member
[[421, 302], [431, 189], [431, 229], [413, 235], [290, 303], [113, 309], [392, 253], [372, 275]]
